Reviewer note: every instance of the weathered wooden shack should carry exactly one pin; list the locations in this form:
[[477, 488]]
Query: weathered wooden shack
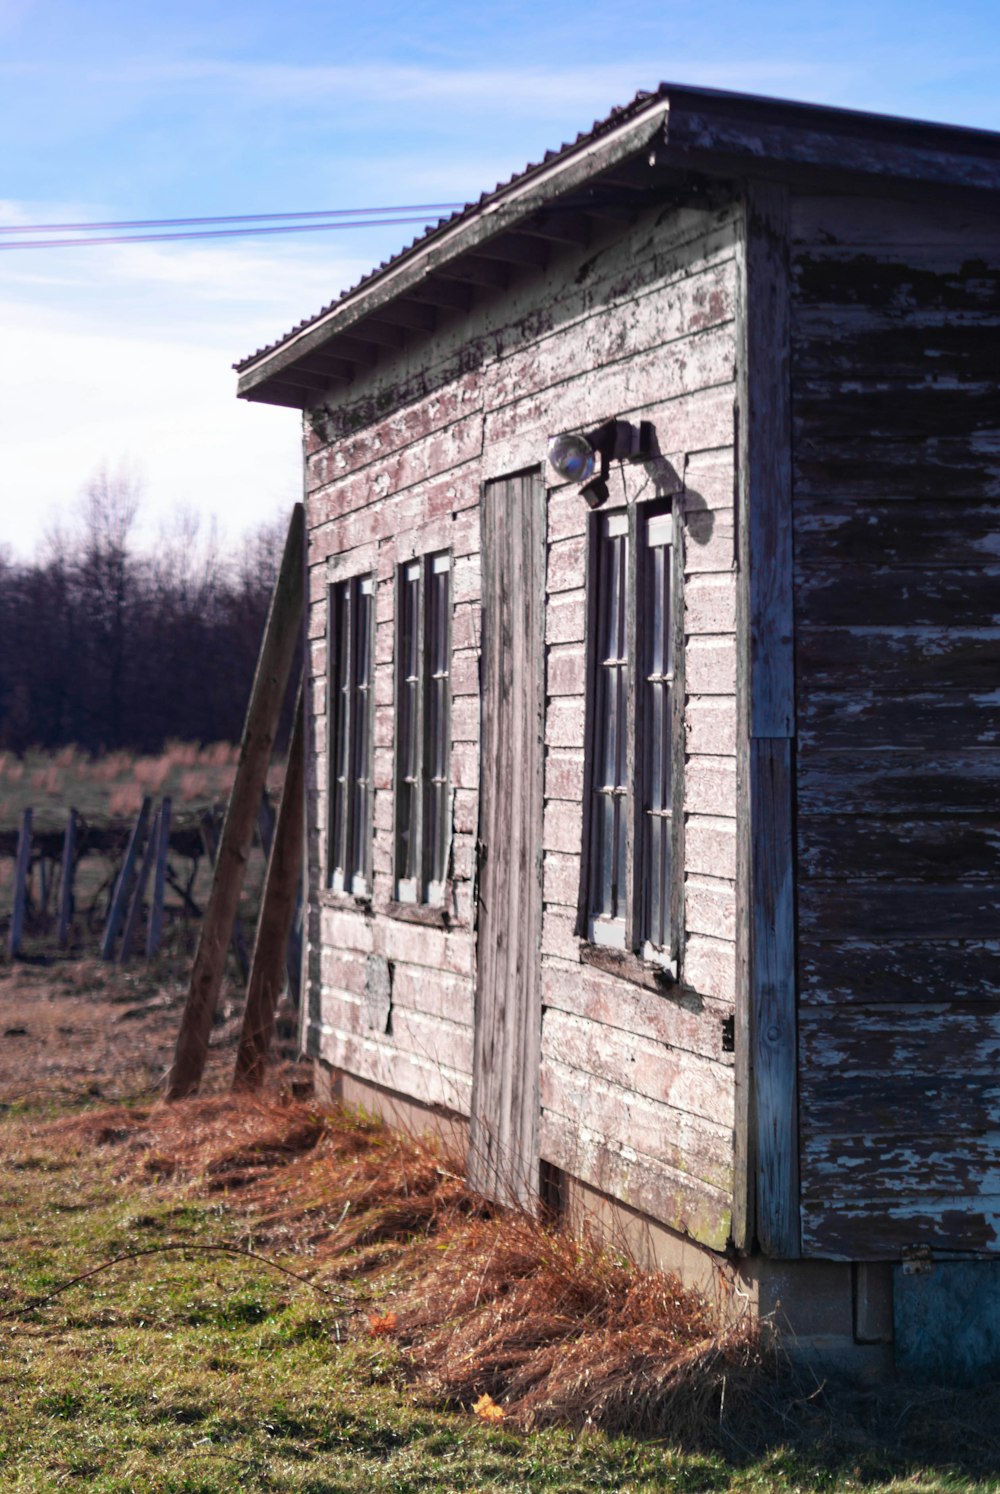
[[653, 816]]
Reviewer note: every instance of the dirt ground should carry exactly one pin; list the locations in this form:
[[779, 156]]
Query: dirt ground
[[78, 1031]]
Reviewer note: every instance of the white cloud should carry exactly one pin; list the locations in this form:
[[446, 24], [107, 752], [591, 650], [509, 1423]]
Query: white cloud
[[129, 353]]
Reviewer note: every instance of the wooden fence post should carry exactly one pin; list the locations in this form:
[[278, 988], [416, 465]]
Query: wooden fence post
[[155, 925], [277, 910], [274, 664], [139, 891], [21, 867], [265, 823], [119, 900], [66, 872]]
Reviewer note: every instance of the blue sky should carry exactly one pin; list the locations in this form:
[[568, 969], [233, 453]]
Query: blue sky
[[114, 110]]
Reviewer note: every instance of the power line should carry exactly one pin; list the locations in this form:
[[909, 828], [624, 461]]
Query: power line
[[209, 233], [128, 223]]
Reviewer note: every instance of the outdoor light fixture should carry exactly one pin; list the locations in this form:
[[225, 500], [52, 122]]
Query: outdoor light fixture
[[586, 459]]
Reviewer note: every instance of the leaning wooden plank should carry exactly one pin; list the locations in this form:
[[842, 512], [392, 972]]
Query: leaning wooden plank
[[210, 840], [119, 898], [270, 682], [284, 869], [139, 891], [155, 924], [65, 915], [21, 865]]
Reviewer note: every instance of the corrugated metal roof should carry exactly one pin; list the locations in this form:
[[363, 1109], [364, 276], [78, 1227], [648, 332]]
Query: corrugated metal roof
[[585, 137], [767, 128]]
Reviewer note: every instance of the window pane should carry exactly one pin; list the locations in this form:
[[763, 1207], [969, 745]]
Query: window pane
[[656, 650], [408, 723], [351, 617], [438, 735], [607, 875], [361, 702], [423, 743]]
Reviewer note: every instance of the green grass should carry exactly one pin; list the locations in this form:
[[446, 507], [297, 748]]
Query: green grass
[[208, 1373]]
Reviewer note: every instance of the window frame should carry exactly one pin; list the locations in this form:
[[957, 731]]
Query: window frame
[[627, 946], [347, 839], [422, 795]]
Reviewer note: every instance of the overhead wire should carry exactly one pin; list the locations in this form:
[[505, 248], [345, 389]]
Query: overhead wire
[[88, 234]]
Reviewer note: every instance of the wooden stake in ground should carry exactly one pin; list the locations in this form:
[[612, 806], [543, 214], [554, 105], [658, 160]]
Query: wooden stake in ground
[[270, 683], [155, 924], [68, 867], [139, 892], [22, 866], [281, 885], [119, 901]]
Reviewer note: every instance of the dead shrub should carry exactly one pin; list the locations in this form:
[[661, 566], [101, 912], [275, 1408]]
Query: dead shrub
[[126, 799], [152, 773], [195, 786], [114, 765], [219, 755]]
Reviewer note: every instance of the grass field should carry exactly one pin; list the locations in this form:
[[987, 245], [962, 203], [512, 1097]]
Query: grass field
[[113, 786], [186, 1368]]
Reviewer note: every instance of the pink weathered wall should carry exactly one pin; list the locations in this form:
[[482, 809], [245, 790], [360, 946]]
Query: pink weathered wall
[[636, 1090]]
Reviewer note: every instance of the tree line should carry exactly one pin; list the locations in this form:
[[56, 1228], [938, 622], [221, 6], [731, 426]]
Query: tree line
[[106, 647]]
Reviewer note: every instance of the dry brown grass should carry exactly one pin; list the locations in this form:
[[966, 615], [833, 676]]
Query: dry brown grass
[[549, 1327], [220, 754], [181, 754], [125, 799], [114, 765], [195, 785], [152, 773]]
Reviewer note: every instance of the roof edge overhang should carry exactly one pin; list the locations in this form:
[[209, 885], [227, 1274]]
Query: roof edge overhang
[[703, 130], [501, 213]]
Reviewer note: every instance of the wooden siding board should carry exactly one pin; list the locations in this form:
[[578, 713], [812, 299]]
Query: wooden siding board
[[916, 971], [940, 721], [658, 1133], [902, 781], [678, 1019], [902, 910], [676, 1198], [686, 1081], [854, 848]]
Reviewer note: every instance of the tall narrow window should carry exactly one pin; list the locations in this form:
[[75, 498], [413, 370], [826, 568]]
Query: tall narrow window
[[351, 620], [609, 780], [630, 898], [423, 743], [654, 625]]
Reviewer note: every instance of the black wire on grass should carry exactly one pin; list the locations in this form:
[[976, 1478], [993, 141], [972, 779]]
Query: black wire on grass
[[177, 1247]]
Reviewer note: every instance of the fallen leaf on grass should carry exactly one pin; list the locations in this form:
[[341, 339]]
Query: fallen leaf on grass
[[487, 1408], [380, 1325]]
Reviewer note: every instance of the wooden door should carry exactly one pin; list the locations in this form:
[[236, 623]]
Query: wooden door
[[503, 1148]]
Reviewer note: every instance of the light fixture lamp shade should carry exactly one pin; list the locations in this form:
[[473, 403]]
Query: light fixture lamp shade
[[573, 457]]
